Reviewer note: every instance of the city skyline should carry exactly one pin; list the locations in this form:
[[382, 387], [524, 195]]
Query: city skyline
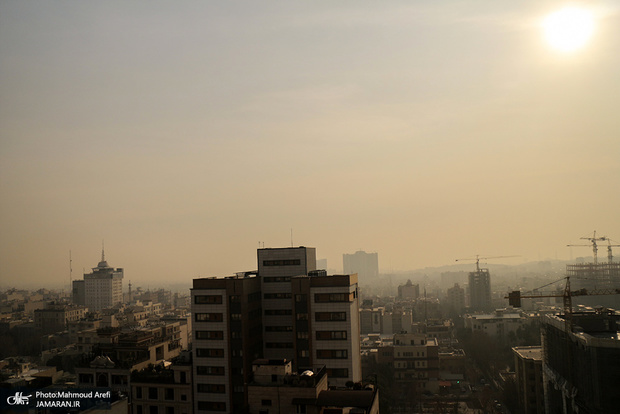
[[184, 134]]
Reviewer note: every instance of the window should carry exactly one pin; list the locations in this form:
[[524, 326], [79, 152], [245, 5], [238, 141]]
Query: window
[[209, 317], [216, 335], [332, 353], [278, 312], [169, 410], [211, 406], [206, 370], [276, 279], [294, 262], [333, 297], [278, 328], [266, 403], [207, 299], [302, 335], [139, 392], [152, 393], [331, 335], [300, 298], [278, 345], [330, 316], [279, 295], [211, 388], [209, 353], [302, 316], [169, 394]]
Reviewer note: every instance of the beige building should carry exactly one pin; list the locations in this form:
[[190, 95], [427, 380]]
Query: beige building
[[56, 317]]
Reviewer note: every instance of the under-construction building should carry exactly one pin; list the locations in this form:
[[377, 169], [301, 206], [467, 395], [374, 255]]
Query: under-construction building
[[581, 363], [593, 276]]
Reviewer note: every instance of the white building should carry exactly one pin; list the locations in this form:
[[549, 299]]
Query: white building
[[497, 324], [103, 288]]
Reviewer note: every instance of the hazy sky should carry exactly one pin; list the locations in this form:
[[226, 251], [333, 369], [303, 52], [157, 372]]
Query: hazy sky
[[184, 133]]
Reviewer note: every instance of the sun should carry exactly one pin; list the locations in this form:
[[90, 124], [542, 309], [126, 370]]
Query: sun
[[569, 29]]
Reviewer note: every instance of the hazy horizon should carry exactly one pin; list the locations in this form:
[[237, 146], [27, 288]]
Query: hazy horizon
[[184, 134]]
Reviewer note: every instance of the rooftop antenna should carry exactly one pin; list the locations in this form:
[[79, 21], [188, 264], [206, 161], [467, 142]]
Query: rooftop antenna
[[291, 237], [102, 250]]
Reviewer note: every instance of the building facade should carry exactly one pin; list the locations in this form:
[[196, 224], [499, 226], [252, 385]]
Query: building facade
[[100, 289], [581, 365], [365, 265], [480, 290], [276, 267], [528, 372]]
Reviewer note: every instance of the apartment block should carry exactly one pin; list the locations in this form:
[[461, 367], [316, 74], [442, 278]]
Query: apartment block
[[327, 326], [227, 337], [276, 267], [529, 375]]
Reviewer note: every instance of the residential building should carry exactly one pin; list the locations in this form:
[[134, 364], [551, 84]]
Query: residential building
[[276, 388], [416, 360], [57, 316], [456, 300], [498, 324], [276, 267], [409, 290], [326, 325], [480, 290], [529, 377], [581, 363], [165, 389], [365, 265], [227, 336]]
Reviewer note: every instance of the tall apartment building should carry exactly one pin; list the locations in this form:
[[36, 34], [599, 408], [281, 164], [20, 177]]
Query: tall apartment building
[[456, 299], [480, 290], [327, 326], [276, 267], [285, 310], [581, 366], [227, 337], [100, 289], [366, 265]]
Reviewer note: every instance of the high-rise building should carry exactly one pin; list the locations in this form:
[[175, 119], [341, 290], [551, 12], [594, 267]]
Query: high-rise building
[[456, 299], [276, 267], [285, 310], [366, 265], [227, 337], [581, 364], [480, 290], [100, 289], [327, 326]]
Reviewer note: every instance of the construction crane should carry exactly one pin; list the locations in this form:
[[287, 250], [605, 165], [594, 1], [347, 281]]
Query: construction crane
[[478, 258], [610, 256], [593, 240], [514, 298]]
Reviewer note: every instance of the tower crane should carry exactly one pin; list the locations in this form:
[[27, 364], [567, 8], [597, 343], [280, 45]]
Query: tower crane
[[514, 298], [610, 256], [477, 259], [593, 240]]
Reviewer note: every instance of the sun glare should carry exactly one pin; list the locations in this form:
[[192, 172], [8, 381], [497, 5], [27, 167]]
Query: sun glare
[[568, 29]]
